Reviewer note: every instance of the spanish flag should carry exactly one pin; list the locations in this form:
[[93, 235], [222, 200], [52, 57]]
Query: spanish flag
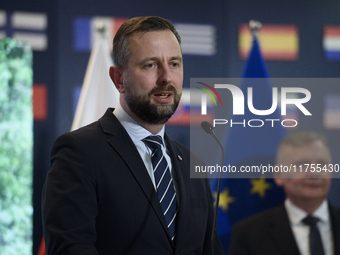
[[278, 42]]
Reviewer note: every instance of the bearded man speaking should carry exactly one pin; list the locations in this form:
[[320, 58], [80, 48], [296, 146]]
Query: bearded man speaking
[[121, 185]]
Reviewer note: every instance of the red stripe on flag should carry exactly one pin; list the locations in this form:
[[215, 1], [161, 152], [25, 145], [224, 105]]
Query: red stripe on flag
[[272, 29], [40, 102], [117, 23], [273, 55], [331, 31]]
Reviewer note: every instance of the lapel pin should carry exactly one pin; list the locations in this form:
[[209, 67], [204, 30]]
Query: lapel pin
[[180, 158]]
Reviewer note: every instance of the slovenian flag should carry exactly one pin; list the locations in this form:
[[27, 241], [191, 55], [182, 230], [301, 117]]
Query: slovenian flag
[[331, 43]]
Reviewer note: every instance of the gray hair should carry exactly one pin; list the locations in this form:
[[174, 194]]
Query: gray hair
[[301, 138]]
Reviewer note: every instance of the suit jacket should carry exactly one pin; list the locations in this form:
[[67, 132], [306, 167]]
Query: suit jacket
[[99, 199], [270, 233]]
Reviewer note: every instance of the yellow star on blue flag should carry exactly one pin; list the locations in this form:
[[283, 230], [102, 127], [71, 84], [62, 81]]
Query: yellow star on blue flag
[[259, 186], [225, 199]]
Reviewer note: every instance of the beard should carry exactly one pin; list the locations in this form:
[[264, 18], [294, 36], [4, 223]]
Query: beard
[[154, 114]]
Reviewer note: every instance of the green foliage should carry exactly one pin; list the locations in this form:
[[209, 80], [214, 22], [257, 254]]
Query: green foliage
[[16, 148]]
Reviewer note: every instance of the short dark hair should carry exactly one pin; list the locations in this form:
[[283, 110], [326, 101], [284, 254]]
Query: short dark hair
[[138, 24]]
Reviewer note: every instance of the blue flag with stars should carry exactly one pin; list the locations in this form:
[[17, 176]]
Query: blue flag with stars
[[245, 145]]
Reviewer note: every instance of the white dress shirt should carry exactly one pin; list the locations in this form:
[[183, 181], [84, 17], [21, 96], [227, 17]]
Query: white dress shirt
[[137, 133], [301, 231]]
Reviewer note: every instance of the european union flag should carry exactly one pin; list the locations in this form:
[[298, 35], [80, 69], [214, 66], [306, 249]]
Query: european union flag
[[246, 145]]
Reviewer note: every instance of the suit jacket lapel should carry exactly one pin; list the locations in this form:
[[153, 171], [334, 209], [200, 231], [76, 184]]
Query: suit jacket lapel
[[181, 177], [284, 237], [335, 223], [123, 145], [282, 233]]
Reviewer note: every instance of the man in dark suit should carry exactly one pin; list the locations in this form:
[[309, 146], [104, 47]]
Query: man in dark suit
[[104, 193], [286, 228]]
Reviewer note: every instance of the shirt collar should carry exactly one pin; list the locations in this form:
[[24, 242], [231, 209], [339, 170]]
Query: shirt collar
[[322, 212], [296, 214], [134, 129]]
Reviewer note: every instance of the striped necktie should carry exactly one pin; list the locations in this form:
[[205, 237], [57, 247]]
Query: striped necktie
[[165, 188]]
